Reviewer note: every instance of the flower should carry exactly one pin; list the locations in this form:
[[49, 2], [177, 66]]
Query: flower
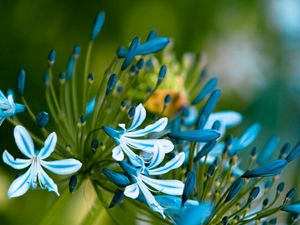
[[128, 139], [8, 107], [142, 181], [35, 176]]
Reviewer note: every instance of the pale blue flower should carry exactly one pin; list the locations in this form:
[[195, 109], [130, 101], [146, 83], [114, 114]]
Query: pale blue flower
[[35, 176], [8, 107], [143, 182], [131, 138]]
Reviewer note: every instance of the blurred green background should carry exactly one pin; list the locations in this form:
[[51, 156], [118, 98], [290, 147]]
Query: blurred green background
[[253, 46]]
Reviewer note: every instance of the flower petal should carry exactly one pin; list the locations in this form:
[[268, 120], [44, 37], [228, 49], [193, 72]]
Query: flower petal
[[132, 191], [139, 117], [62, 167], [46, 181], [148, 144], [49, 146], [172, 164], [117, 153], [155, 127], [157, 158], [20, 185], [170, 187], [17, 164], [24, 141]]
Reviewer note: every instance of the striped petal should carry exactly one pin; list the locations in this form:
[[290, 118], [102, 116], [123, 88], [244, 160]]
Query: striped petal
[[158, 126], [24, 141], [157, 158], [132, 191], [170, 187], [17, 164], [172, 164], [148, 144], [117, 153], [49, 146], [139, 117], [46, 182], [62, 167], [20, 185]]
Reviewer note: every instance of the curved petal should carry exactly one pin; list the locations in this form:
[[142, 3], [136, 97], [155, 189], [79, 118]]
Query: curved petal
[[17, 164], [117, 153], [157, 158], [158, 126], [46, 181], [139, 117], [20, 185], [172, 164], [132, 191], [62, 167], [49, 146], [148, 144], [134, 159], [20, 108], [227, 118], [170, 187], [24, 141]]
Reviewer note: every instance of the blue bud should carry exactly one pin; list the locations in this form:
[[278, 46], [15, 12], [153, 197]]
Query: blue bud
[[83, 119], [293, 208], [128, 169], [152, 35], [153, 46], [122, 52], [117, 199], [234, 189], [216, 125], [95, 144], [188, 187], [111, 83], [89, 109], [76, 51], [205, 150], [195, 135], [131, 112], [285, 150], [123, 104], [162, 74], [265, 202], [98, 25], [42, 119], [72, 183], [131, 53], [140, 64], [149, 64], [91, 78], [210, 172], [294, 153], [119, 89], [273, 168], [70, 68], [291, 194], [208, 88], [21, 81], [51, 57], [117, 178], [167, 99], [62, 77], [224, 220], [280, 187], [268, 150], [110, 131], [254, 152], [253, 194]]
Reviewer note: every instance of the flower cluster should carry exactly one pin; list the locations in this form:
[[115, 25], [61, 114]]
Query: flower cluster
[[176, 159]]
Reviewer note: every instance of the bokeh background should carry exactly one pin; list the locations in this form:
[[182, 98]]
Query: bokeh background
[[253, 46]]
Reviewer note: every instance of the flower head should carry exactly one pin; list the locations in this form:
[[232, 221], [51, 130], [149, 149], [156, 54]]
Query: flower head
[[35, 176]]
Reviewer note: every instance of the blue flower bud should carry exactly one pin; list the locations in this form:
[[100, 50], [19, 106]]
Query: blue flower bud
[[117, 199], [122, 52], [131, 112], [46, 79], [90, 78], [265, 202], [234, 189], [254, 152], [83, 119], [123, 104], [162, 74], [117, 178], [208, 88], [225, 220], [21, 82], [285, 150], [152, 35], [195, 135], [188, 187], [273, 168], [72, 183], [167, 99], [152, 46], [268, 150], [51, 57], [216, 125], [131, 53], [62, 77], [253, 194], [128, 169], [291, 194], [42, 119], [273, 221], [140, 64], [280, 187], [119, 89], [210, 171], [70, 68], [149, 64], [90, 106], [293, 208], [98, 25], [76, 51], [205, 150], [111, 83], [95, 144], [294, 153]]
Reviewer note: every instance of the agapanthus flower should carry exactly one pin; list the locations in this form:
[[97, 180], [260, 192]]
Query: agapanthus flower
[[134, 138], [36, 177], [8, 107]]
